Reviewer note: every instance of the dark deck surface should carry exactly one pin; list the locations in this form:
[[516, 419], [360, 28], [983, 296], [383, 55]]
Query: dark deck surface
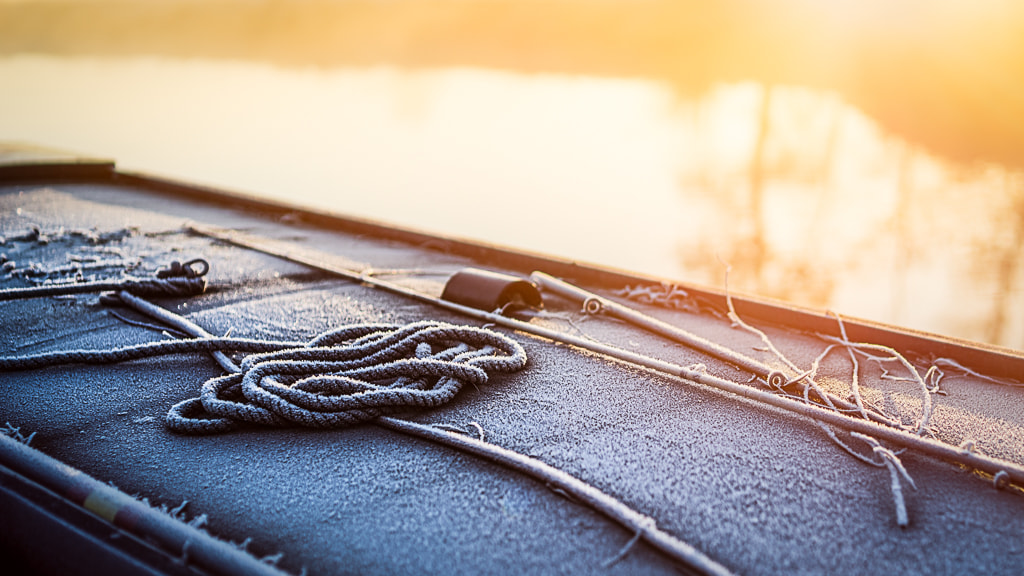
[[760, 491]]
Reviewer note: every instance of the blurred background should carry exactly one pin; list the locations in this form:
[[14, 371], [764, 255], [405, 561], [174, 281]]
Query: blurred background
[[862, 156]]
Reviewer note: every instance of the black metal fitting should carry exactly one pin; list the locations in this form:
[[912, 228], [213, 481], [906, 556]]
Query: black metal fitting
[[491, 291]]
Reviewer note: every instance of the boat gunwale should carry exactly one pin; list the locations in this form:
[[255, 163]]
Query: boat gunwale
[[989, 359]]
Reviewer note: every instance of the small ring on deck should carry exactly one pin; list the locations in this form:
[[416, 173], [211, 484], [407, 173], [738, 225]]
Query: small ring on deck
[[592, 306], [776, 379]]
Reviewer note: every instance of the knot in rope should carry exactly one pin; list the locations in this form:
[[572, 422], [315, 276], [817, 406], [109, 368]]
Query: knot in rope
[[178, 286], [176, 279], [187, 270], [348, 376]]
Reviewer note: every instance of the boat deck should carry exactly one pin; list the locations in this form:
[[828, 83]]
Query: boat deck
[[756, 488]]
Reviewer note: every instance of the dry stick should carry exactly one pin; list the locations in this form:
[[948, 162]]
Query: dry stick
[[810, 374], [958, 366], [632, 520], [858, 399], [735, 318], [888, 458], [846, 447], [896, 469], [881, 418], [854, 384], [926, 401], [811, 384], [927, 446], [933, 376]]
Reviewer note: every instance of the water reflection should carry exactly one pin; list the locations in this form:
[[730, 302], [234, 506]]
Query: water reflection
[[942, 73], [831, 212], [806, 197]]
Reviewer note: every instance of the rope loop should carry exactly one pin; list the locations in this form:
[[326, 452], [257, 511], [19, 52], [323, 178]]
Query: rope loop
[[348, 376]]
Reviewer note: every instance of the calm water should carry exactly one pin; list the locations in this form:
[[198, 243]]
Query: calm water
[[806, 197]]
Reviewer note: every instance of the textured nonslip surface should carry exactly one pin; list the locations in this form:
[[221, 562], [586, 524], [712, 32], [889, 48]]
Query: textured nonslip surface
[[754, 488]]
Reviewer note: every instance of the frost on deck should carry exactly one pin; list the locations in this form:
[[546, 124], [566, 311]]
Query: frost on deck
[[754, 488]]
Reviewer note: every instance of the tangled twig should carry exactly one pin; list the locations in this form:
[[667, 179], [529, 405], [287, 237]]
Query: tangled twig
[[896, 470], [886, 457]]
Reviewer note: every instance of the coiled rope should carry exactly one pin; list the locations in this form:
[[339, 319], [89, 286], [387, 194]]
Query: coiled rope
[[340, 378], [348, 376], [176, 280]]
